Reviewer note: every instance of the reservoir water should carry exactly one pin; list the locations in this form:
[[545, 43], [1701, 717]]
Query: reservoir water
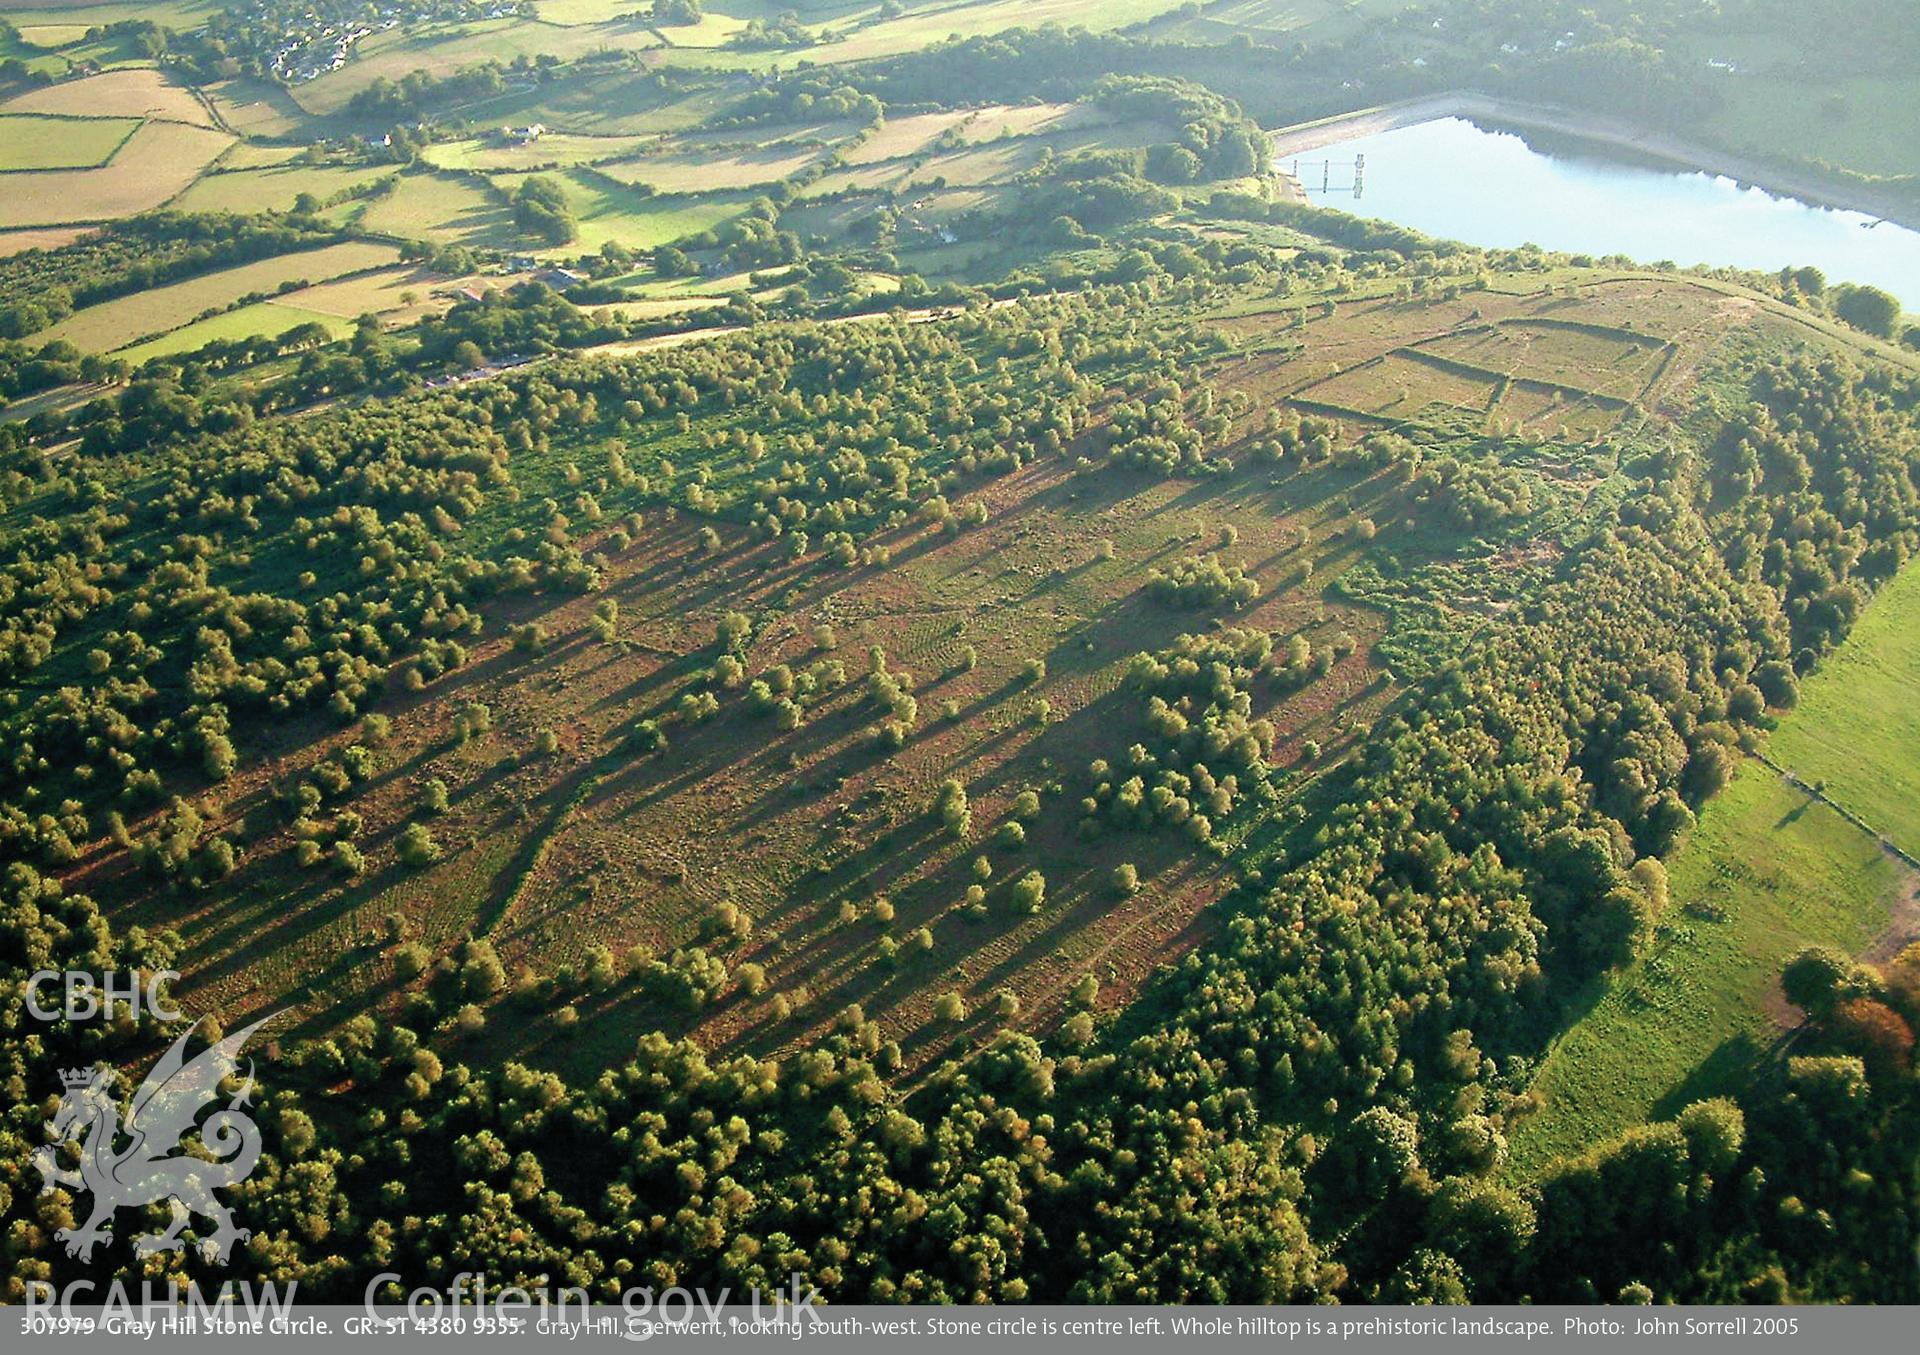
[[1452, 179]]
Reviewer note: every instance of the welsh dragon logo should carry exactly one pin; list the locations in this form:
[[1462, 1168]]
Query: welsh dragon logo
[[135, 1164]]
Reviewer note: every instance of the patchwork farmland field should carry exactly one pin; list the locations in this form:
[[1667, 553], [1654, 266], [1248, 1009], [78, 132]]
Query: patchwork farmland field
[[126, 320], [551, 150], [85, 14], [13, 242], [934, 23], [915, 133], [397, 295], [606, 105], [158, 161], [442, 208], [256, 108], [246, 155], [699, 170], [262, 319], [276, 188], [135, 93], [445, 49], [33, 141]]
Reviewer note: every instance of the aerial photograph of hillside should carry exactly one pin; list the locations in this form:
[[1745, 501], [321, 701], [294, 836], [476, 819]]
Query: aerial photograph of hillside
[[959, 674]]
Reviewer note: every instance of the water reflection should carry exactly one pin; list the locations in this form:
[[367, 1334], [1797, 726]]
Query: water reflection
[[1453, 179]]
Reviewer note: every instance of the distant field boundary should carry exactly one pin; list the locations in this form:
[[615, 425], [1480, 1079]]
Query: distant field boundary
[[1878, 199]]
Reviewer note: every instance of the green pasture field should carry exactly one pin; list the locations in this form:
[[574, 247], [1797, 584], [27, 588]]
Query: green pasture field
[[883, 176], [713, 31], [449, 209], [443, 208], [33, 141], [1853, 110], [274, 189], [606, 211], [996, 162], [398, 295], [915, 132], [823, 220], [721, 20], [944, 204], [137, 92], [571, 13], [859, 33], [659, 307], [257, 107], [34, 56], [951, 261], [257, 155], [107, 52], [695, 172], [181, 15], [156, 163], [262, 319], [607, 105], [442, 50], [1768, 113], [705, 289], [50, 37], [770, 134], [905, 135], [552, 150], [922, 26], [1767, 871], [1857, 727], [985, 160], [124, 320], [1301, 20]]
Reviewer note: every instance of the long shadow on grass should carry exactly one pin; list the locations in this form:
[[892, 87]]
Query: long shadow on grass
[[1731, 1068], [276, 904], [273, 913], [832, 949]]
